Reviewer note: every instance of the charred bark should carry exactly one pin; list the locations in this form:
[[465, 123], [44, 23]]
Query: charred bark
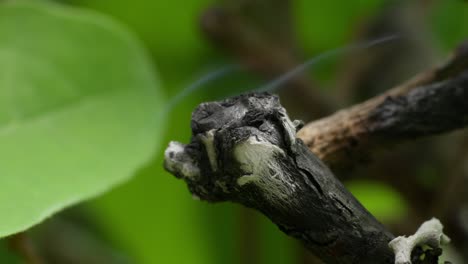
[[245, 150]]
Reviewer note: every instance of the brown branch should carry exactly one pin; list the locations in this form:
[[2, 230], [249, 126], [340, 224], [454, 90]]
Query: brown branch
[[433, 102], [23, 246]]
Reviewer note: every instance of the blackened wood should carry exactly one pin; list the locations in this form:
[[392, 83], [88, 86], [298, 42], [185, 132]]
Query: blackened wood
[[244, 150]]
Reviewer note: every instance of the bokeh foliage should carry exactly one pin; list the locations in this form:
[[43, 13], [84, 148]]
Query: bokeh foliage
[[152, 218]]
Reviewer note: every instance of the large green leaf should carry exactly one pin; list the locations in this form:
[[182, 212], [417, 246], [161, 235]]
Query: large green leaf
[[153, 217], [79, 109]]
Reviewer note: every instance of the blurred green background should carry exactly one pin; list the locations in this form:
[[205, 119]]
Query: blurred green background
[[153, 218]]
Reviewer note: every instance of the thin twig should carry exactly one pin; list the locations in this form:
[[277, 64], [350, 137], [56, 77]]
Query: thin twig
[[432, 102], [24, 247]]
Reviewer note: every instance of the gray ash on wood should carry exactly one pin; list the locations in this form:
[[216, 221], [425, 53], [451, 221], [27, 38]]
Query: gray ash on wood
[[244, 149]]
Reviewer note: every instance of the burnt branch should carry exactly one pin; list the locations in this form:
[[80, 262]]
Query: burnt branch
[[431, 103], [245, 150]]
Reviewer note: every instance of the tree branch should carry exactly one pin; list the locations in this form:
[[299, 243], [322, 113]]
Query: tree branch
[[23, 246], [244, 150], [431, 103]]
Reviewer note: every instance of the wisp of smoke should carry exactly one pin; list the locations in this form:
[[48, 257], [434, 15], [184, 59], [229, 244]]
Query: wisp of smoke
[[211, 76], [278, 82]]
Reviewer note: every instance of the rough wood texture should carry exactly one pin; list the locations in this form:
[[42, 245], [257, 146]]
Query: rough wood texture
[[433, 102], [244, 150]]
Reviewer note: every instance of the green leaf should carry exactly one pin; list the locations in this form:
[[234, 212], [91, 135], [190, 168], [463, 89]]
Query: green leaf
[[153, 217], [79, 109], [170, 29]]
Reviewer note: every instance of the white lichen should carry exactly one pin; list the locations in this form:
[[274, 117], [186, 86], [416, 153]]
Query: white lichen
[[208, 140], [290, 129], [429, 234], [222, 185], [258, 160], [178, 162]]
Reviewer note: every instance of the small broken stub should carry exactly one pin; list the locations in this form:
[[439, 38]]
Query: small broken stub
[[236, 143]]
